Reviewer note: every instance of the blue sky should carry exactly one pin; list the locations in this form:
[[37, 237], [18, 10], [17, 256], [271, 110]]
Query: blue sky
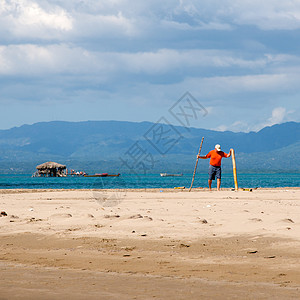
[[132, 60]]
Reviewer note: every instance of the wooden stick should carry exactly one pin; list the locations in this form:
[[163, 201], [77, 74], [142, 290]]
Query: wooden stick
[[196, 164], [234, 171]]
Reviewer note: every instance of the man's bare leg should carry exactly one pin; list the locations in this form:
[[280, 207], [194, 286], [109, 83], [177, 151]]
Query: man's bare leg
[[209, 184], [218, 184]]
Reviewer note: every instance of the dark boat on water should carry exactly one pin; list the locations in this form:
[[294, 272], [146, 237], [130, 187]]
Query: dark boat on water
[[103, 175]]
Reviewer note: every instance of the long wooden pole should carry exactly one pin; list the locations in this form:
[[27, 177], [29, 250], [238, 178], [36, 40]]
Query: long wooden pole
[[196, 164], [236, 187]]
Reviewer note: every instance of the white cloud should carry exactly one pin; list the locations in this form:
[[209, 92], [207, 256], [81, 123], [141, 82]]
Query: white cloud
[[32, 60], [109, 26], [238, 89], [32, 14], [25, 18], [237, 126], [183, 26], [29, 18], [74, 20], [35, 59], [278, 115], [267, 14]]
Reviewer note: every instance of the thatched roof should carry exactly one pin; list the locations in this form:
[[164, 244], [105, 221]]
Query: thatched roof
[[50, 165]]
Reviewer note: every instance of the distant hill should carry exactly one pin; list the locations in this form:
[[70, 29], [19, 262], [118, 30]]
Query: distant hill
[[98, 146]]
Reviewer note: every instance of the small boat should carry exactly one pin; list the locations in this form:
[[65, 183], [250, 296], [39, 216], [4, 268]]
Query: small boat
[[103, 175], [170, 175]]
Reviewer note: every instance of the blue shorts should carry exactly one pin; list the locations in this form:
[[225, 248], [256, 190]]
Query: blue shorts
[[214, 172]]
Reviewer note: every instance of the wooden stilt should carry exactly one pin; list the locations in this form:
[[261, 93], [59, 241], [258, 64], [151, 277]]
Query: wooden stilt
[[234, 170], [196, 164]]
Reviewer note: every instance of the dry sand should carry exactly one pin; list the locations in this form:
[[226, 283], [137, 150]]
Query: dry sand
[[150, 244]]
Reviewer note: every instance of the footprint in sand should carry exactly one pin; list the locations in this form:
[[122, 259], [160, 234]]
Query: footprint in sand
[[138, 216], [34, 220], [14, 217], [111, 216], [61, 216], [203, 221], [256, 220], [288, 220]]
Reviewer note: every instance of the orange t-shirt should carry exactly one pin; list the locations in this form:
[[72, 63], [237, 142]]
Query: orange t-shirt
[[216, 157]]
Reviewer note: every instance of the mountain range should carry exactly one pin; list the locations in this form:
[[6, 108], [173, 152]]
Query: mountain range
[[115, 146]]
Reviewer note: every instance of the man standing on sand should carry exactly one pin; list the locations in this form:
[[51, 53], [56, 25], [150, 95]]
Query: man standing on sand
[[214, 170]]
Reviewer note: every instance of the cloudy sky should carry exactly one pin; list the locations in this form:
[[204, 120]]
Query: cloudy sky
[[132, 60]]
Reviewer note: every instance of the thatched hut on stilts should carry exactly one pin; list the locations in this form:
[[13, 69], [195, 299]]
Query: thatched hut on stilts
[[51, 169]]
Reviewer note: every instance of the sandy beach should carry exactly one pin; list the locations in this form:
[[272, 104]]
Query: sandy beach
[[150, 244]]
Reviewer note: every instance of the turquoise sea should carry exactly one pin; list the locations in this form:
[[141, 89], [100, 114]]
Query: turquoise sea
[[132, 181]]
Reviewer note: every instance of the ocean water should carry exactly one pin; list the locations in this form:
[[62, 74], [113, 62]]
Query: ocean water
[[130, 181]]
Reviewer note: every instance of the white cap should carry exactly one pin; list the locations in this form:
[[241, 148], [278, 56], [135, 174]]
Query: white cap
[[218, 147]]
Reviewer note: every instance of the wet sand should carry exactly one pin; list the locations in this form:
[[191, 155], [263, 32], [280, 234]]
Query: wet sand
[[150, 244]]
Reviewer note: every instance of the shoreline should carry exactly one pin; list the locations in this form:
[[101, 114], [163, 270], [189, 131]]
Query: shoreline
[[175, 189]]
